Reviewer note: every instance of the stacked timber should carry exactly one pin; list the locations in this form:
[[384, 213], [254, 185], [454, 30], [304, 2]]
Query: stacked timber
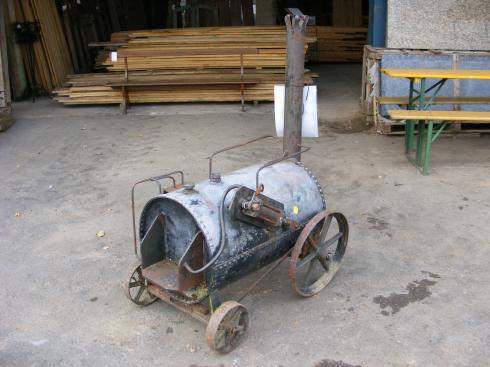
[[52, 61], [185, 65], [268, 41], [337, 44], [219, 85]]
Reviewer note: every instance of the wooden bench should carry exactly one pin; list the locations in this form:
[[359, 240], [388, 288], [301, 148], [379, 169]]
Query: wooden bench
[[425, 129], [125, 53], [403, 101]]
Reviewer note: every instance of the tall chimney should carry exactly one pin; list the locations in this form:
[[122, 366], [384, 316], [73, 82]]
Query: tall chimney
[[295, 68]]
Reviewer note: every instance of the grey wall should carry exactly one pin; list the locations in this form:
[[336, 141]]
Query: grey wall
[[439, 24]]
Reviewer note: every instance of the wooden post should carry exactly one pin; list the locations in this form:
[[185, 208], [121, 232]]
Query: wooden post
[[5, 117]]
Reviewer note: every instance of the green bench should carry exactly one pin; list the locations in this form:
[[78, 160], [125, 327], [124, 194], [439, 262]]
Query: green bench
[[427, 133]]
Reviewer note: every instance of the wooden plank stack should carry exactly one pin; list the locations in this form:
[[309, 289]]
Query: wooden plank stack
[[52, 60], [337, 44], [187, 77], [270, 42], [182, 86]]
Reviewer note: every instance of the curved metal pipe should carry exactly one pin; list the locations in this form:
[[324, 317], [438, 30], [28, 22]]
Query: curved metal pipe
[[232, 147], [223, 234]]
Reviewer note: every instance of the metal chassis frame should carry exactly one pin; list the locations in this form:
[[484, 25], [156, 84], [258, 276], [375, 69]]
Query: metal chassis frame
[[199, 311]]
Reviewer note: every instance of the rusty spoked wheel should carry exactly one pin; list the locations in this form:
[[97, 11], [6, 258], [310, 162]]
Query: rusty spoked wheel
[[318, 252], [227, 327], [135, 287]]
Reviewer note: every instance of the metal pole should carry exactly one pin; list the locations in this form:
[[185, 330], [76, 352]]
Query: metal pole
[[295, 68]]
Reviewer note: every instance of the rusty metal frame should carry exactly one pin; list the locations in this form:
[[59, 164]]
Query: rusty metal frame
[[262, 277], [197, 311]]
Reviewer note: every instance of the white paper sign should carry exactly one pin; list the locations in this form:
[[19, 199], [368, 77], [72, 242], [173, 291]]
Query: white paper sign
[[113, 56], [310, 115]]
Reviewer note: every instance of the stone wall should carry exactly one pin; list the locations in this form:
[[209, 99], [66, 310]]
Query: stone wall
[[438, 24]]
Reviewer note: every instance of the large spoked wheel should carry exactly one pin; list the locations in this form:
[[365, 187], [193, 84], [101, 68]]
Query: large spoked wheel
[[227, 327], [135, 287], [318, 252]]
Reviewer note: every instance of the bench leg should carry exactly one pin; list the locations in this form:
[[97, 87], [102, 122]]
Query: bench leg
[[409, 128], [420, 142], [242, 96], [124, 102], [427, 150], [409, 125]]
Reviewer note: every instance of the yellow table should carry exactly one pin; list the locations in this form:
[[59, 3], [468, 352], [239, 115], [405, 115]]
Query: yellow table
[[437, 74], [425, 101]]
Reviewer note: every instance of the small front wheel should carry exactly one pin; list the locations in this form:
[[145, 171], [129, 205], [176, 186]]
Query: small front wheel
[[135, 287], [227, 327]]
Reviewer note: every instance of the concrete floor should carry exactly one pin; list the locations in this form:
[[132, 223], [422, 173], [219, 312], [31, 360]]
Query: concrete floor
[[414, 288]]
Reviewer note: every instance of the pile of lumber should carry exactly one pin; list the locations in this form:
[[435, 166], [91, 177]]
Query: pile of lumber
[[52, 61], [337, 44], [186, 74], [268, 41], [218, 85]]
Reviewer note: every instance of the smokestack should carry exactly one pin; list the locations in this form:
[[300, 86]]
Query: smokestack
[[295, 68]]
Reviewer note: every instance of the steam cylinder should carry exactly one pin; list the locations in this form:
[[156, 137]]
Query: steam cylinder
[[248, 247]]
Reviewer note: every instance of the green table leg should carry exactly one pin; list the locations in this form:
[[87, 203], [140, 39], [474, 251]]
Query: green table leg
[[427, 148], [409, 125], [421, 124], [420, 143]]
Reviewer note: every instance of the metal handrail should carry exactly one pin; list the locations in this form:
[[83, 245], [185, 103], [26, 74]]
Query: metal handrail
[[230, 148]]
